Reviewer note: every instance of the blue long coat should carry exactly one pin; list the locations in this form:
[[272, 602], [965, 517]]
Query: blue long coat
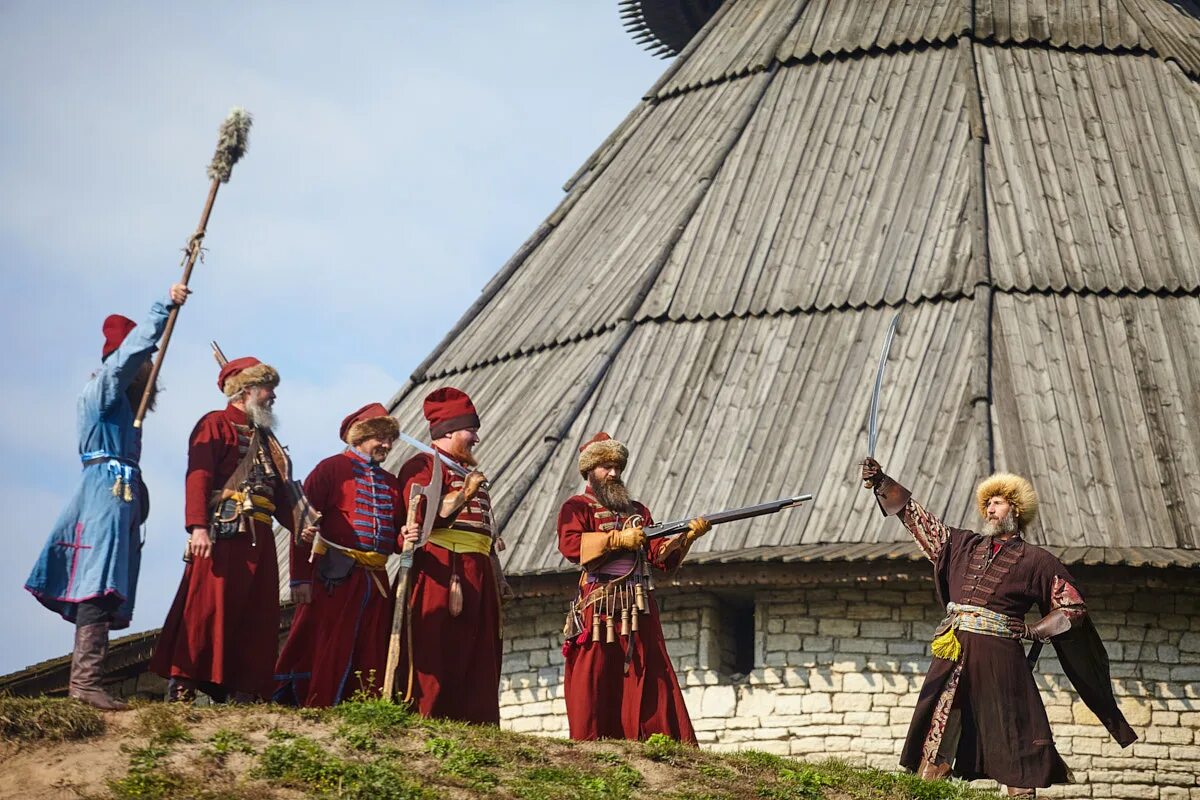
[[94, 549]]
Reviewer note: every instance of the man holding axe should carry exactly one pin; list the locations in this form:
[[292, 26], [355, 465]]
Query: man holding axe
[[451, 645], [87, 571], [338, 641], [222, 631]]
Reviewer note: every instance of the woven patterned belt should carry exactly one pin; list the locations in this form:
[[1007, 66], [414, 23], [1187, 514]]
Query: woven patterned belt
[[975, 619]]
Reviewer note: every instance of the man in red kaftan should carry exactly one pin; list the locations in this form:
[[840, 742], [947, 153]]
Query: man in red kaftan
[[619, 683], [222, 631], [338, 641], [456, 582]]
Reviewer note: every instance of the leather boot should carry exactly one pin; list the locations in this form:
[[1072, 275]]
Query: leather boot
[[87, 667], [933, 772], [181, 690], [1015, 791]]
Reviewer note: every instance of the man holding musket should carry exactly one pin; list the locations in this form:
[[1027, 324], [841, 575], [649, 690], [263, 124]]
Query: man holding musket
[[338, 641], [979, 714], [619, 683], [88, 570], [453, 652], [222, 632]]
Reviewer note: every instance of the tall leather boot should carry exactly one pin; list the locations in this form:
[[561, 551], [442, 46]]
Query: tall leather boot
[[87, 667]]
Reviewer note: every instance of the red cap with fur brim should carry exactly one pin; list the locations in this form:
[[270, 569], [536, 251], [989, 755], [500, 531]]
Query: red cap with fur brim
[[242, 373], [372, 421]]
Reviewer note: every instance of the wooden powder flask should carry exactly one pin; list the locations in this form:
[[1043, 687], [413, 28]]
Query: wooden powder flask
[[625, 612], [595, 622], [610, 624]]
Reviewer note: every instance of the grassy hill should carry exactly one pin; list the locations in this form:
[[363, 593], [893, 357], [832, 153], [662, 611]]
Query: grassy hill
[[53, 748]]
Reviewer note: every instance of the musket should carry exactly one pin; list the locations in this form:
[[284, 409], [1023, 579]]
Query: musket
[[401, 614], [873, 413], [231, 146], [300, 502], [733, 515]]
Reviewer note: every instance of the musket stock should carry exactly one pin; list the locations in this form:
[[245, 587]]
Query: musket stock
[[731, 515]]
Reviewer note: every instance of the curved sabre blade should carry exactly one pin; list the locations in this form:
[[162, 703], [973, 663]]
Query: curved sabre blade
[[873, 416]]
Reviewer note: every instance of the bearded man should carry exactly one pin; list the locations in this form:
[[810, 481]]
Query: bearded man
[[338, 641], [619, 682], [88, 569], [222, 631], [979, 714], [456, 581]]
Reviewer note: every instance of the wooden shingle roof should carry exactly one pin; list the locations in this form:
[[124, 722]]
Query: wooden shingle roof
[[1022, 180]]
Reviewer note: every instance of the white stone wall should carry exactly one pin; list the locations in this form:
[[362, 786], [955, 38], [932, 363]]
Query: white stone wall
[[837, 668]]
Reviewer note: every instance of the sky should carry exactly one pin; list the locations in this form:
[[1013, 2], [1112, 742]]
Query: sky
[[401, 152]]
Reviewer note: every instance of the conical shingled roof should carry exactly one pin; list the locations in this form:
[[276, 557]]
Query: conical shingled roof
[[1022, 179]]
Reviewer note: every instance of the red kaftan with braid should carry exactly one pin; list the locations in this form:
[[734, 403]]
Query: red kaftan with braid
[[604, 701]]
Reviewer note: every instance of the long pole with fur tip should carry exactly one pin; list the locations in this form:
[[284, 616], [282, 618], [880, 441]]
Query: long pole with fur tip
[[231, 146]]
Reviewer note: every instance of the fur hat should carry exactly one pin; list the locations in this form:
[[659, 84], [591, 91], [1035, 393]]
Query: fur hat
[[449, 410], [1017, 490], [115, 329], [242, 373], [369, 422], [602, 449]]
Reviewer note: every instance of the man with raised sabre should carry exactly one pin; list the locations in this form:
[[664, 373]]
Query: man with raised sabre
[[88, 569], [453, 646], [222, 632], [619, 683], [979, 714], [338, 641]]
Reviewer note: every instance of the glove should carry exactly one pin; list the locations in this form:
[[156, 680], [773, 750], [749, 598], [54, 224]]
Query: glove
[[697, 528], [872, 473], [596, 544], [627, 539], [1051, 625]]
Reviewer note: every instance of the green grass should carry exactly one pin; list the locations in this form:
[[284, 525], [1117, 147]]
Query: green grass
[[372, 749], [301, 763], [28, 719]]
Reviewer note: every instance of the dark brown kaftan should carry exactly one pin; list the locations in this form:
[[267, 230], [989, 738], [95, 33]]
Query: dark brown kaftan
[[1005, 734]]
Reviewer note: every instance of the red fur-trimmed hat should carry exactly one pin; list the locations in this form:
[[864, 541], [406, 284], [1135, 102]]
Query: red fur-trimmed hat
[[115, 329], [602, 449], [369, 422], [242, 373], [449, 410]]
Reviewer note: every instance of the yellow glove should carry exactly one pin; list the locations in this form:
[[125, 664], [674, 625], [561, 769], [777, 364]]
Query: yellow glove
[[697, 528], [627, 539]]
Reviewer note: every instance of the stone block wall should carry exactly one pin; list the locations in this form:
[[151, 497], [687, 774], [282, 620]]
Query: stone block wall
[[835, 668]]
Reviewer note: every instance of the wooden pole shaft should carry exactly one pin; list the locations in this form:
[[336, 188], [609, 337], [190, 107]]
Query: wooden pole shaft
[[193, 253]]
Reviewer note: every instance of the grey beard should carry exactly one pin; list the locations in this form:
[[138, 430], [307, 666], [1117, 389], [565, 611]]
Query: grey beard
[[260, 416], [996, 528], [613, 495]]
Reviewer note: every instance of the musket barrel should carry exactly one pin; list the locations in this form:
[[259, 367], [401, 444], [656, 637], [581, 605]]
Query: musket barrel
[[731, 515]]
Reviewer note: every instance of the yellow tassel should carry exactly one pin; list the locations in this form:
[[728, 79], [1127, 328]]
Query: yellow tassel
[[456, 596], [116, 490], [947, 646], [128, 493]]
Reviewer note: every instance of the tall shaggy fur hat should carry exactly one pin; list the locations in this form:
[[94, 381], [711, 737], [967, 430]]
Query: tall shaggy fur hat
[[369, 422], [1018, 491], [602, 449], [242, 373]]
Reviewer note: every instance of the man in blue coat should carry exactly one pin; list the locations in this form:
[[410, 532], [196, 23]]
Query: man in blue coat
[[88, 569]]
